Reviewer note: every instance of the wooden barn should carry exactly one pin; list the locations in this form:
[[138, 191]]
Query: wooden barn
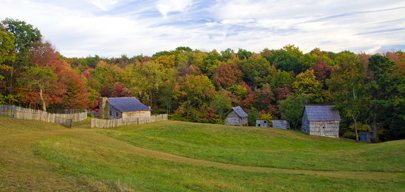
[[262, 123], [122, 108], [321, 120], [236, 116]]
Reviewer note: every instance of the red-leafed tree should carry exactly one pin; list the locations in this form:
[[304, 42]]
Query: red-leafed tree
[[263, 97], [120, 90], [105, 92], [86, 74], [43, 54], [227, 75], [283, 93], [93, 107], [117, 90], [322, 71], [248, 99]]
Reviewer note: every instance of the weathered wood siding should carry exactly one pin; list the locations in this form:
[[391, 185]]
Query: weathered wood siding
[[110, 123], [233, 119], [114, 113], [320, 128], [262, 123], [281, 124], [244, 121], [135, 114], [305, 123], [324, 128]]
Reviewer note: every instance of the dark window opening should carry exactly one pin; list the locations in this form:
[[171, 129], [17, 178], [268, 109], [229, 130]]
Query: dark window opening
[[110, 113], [116, 113]]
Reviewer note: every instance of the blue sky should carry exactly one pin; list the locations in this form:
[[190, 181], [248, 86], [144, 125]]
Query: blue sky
[[110, 28]]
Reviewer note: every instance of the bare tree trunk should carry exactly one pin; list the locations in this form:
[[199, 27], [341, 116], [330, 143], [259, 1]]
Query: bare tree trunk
[[42, 99], [374, 121], [355, 128]]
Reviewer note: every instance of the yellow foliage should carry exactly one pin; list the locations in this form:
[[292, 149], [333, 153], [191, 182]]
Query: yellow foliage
[[306, 83], [198, 60], [361, 127], [267, 116], [166, 61]]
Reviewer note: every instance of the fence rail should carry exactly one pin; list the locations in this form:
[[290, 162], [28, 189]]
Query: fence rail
[[32, 114], [110, 123]]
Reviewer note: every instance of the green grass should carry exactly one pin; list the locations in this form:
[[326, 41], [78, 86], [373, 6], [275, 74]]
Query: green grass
[[39, 156], [266, 147], [109, 166]]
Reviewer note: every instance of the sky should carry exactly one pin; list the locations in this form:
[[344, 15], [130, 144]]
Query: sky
[[111, 28]]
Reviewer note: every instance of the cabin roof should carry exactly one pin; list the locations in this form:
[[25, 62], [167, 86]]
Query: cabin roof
[[126, 104], [321, 113], [239, 111]]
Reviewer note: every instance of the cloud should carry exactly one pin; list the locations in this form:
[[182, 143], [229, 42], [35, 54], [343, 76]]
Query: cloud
[[167, 6], [111, 28], [104, 4]]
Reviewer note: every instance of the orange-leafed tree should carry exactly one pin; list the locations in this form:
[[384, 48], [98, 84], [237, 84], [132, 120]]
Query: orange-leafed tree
[[76, 96]]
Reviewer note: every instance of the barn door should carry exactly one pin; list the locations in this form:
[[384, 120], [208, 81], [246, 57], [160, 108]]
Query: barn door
[[323, 125]]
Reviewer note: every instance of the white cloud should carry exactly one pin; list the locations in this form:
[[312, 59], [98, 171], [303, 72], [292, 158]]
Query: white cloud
[[167, 6], [104, 4], [79, 28]]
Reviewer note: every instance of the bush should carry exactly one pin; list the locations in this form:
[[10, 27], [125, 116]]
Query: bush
[[89, 114]]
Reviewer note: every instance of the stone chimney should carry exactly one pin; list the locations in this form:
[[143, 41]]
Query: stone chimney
[[103, 108]]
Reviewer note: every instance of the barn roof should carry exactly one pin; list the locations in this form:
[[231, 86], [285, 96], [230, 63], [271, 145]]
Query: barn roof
[[126, 104], [321, 113], [238, 110]]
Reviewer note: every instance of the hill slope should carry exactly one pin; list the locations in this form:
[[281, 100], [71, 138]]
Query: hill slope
[[178, 156]]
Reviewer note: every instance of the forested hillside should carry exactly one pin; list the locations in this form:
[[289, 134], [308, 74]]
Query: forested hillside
[[201, 86]]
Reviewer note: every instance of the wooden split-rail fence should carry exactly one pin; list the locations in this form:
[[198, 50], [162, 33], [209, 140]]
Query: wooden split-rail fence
[[39, 115], [110, 123]]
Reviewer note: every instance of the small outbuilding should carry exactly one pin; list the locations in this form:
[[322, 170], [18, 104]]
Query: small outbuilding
[[262, 123], [236, 116], [321, 120], [281, 124], [122, 108]]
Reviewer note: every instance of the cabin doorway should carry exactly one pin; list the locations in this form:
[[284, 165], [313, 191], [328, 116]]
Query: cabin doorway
[[322, 129]]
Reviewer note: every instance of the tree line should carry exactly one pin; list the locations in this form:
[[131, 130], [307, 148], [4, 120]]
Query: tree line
[[201, 86]]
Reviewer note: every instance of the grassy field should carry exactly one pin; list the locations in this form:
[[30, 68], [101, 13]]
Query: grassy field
[[180, 156]]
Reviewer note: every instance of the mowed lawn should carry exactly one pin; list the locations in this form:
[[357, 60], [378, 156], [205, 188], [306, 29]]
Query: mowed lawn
[[179, 156], [266, 147]]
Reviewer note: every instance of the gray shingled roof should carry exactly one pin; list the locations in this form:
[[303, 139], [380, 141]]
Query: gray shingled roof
[[239, 111], [322, 113], [126, 104]]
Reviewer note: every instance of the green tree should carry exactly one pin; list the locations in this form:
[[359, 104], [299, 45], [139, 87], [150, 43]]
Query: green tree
[[280, 80], [6, 46], [284, 60], [37, 78], [195, 90], [292, 107], [253, 114], [346, 84], [25, 37], [253, 68], [146, 78], [221, 103], [243, 54], [387, 89], [294, 50]]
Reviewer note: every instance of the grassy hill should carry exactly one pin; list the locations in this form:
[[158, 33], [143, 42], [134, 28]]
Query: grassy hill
[[181, 156]]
